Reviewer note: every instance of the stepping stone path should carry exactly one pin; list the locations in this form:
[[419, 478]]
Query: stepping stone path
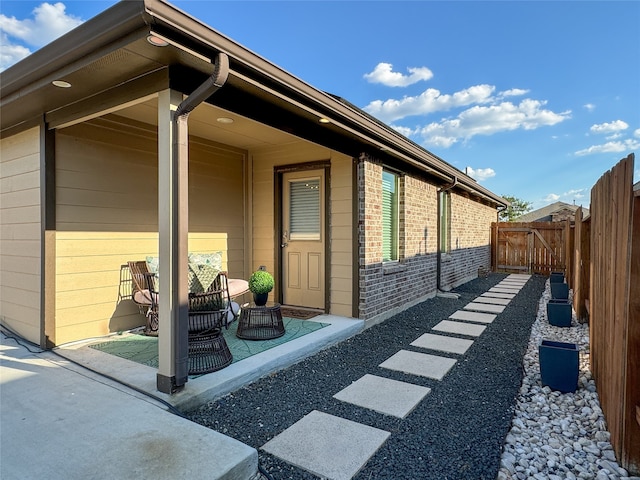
[[336, 448]]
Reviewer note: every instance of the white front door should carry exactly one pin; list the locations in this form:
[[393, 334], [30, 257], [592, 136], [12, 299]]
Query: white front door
[[303, 235]]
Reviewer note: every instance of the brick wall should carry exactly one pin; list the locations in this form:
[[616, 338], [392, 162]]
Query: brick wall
[[394, 286], [470, 240]]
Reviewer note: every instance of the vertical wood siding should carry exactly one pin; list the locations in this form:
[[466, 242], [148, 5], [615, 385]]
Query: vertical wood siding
[[20, 233], [107, 214]]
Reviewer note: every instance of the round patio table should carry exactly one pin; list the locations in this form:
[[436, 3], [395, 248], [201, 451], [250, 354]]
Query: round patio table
[[258, 322]]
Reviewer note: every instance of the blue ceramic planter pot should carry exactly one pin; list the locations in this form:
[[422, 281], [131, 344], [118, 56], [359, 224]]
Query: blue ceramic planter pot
[[559, 313], [559, 291], [556, 277], [559, 364]]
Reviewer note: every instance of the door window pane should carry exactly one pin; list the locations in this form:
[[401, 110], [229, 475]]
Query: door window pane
[[304, 208]]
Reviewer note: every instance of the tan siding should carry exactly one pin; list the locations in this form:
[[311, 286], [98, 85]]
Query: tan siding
[[20, 233], [107, 215], [341, 251], [264, 161]]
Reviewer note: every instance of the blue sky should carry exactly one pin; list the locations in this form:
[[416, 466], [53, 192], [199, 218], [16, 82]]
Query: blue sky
[[537, 99]]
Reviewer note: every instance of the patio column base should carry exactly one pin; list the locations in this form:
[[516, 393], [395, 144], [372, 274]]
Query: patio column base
[[167, 384]]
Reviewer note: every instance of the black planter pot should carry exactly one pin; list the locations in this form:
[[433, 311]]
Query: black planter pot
[[559, 364], [559, 313], [260, 299], [559, 291], [556, 277]]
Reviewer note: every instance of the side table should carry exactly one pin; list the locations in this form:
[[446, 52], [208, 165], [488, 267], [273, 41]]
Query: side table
[[260, 322]]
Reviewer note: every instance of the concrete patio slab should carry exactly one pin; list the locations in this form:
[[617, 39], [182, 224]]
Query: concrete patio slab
[[443, 343], [484, 307], [328, 446], [421, 364], [499, 295], [469, 316], [83, 425], [492, 300], [208, 387], [460, 328], [383, 395]]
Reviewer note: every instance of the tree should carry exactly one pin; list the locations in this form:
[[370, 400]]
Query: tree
[[518, 207]]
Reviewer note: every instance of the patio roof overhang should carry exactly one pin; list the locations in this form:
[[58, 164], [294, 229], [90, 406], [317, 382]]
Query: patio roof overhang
[[109, 63]]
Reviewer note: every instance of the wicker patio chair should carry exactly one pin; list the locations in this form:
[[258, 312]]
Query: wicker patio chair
[[209, 312], [145, 295]]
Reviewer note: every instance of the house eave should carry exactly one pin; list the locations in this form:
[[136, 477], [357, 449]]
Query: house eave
[[124, 27]]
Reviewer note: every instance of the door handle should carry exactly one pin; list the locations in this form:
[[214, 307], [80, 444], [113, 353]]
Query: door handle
[[282, 245]]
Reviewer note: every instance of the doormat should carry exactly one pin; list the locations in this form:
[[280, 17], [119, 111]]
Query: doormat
[[144, 350], [299, 313]]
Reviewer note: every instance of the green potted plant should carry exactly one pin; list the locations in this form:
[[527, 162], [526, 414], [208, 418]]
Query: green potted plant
[[261, 283]]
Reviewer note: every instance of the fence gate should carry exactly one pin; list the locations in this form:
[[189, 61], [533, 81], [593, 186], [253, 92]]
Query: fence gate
[[539, 247]]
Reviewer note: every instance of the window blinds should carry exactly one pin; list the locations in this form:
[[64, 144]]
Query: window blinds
[[304, 210]]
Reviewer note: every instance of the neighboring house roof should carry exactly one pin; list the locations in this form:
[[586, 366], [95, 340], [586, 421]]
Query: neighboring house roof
[[545, 214], [109, 63]]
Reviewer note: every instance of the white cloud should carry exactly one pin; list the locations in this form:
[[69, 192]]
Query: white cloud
[[406, 131], [10, 53], [480, 174], [636, 133], [49, 22], [514, 92], [429, 101], [614, 136], [589, 106], [488, 120], [610, 147], [552, 197], [612, 127], [384, 74]]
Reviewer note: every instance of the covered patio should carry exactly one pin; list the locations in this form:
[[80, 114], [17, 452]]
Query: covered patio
[[204, 388]]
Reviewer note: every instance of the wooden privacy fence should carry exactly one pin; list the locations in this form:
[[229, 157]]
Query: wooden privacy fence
[[538, 247], [614, 305]]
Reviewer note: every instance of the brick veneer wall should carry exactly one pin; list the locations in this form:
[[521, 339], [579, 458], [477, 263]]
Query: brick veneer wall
[[470, 240], [394, 286]]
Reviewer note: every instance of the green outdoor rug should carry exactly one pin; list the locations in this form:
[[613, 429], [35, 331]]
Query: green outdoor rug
[[144, 350]]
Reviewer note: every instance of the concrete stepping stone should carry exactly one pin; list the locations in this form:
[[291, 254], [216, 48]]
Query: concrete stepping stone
[[442, 343], [510, 285], [504, 290], [484, 307], [460, 328], [421, 364], [383, 395], [522, 276], [473, 316], [494, 301], [326, 445], [498, 295]]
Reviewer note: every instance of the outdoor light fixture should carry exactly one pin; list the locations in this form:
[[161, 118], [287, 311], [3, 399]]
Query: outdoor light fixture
[[156, 40], [225, 120], [61, 84], [324, 120]]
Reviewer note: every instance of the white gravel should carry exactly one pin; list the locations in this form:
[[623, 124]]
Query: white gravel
[[554, 435]]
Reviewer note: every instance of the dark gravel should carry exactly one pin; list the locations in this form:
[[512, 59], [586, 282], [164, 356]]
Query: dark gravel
[[456, 432]]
